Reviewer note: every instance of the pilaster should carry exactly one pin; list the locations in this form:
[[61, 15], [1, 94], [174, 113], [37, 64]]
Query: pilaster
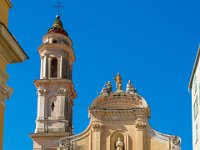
[[96, 138], [140, 131]]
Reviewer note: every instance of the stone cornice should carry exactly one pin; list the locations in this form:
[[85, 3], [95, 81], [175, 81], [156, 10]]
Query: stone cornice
[[14, 53]]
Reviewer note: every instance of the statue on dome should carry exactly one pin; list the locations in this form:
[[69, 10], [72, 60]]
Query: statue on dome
[[118, 80], [119, 144], [130, 88], [107, 88]]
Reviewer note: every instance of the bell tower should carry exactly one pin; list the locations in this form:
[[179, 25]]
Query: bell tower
[[55, 88]]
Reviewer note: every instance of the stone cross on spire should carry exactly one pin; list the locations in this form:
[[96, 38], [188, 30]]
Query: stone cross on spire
[[58, 6]]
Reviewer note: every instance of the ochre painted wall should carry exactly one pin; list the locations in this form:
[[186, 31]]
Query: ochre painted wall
[[1, 124], [5, 5], [4, 8]]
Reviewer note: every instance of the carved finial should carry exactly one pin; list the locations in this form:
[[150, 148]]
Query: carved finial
[[130, 88], [107, 88], [118, 80]]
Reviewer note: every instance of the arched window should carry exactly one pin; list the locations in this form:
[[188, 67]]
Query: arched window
[[54, 68]]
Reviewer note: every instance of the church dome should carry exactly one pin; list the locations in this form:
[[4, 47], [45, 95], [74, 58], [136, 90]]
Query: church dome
[[119, 100]]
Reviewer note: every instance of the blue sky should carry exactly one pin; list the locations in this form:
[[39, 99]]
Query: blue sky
[[153, 43]]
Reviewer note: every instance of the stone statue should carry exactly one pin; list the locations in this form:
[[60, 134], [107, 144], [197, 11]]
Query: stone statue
[[107, 88], [118, 80], [119, 144], [129, 88]]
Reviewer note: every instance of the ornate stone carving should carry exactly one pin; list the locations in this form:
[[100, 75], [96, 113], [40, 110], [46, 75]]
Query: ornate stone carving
[[140, 124], [107, 88], [62, 91], [97, 127], [129, 88], [118, 80]]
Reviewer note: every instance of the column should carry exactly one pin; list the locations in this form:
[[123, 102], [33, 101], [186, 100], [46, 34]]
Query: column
[[61, 67], [45, 67], [41, 67]]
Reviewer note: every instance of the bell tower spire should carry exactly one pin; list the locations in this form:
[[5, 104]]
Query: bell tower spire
[[55, 87]]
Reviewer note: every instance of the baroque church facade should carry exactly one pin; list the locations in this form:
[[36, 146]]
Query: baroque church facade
[[118, 119]]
